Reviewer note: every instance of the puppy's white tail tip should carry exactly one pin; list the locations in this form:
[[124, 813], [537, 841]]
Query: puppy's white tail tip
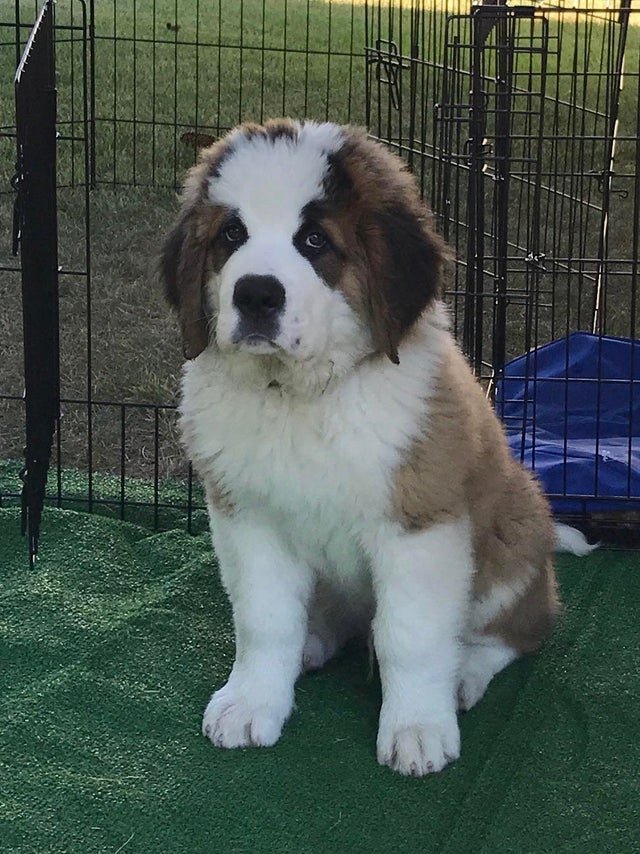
[[571, 540]]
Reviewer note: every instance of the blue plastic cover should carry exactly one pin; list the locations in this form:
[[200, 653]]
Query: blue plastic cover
[[572, 413]]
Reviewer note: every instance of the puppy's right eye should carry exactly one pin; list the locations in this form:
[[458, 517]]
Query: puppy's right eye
[[234, 232]]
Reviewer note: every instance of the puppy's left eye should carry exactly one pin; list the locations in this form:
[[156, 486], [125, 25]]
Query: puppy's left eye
[[315, 240], [311, 241]]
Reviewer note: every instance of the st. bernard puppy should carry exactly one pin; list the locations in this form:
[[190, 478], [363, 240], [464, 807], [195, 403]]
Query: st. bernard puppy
[[357, 480]]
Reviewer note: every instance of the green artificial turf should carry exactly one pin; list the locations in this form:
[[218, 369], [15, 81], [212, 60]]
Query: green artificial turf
[[111, 646], [131, 499]]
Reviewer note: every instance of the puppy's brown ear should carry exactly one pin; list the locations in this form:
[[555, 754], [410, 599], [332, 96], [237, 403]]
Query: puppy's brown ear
[[405, 260], [182, 269]]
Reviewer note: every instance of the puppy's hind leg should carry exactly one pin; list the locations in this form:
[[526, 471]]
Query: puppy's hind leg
[[334, 619], [509, 621], [480, 663]]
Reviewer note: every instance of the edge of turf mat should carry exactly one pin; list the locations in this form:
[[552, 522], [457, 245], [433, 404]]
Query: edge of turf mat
[[111, 646], [159, 507]]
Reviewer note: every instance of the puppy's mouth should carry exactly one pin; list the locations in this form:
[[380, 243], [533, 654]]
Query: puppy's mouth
[[257, 343]]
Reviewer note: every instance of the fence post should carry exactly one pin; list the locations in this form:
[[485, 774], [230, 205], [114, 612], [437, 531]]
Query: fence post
[[37, 235], [92, 92], [474, 283]]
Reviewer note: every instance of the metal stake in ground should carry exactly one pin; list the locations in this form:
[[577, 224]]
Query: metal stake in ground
[[37, 237]]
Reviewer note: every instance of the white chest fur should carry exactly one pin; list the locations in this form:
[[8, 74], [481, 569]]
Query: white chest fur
[[320, 467]]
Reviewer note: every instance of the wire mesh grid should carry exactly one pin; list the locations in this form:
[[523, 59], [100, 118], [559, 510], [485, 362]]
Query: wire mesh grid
[[521, 124]]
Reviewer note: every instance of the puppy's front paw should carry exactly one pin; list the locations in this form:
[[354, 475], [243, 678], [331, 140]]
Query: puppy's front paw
[[419, 749], [234, 719]]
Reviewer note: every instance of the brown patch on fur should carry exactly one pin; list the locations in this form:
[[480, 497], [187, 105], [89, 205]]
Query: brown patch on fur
[[276, 128], [330, 268], [272, 129], [462, 465], [187, 258], [182, 265], [394, 259], [529, 621]]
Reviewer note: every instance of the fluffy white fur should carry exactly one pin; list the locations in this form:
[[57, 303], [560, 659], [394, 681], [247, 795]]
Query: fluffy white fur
[[311, 483], [424, 577]]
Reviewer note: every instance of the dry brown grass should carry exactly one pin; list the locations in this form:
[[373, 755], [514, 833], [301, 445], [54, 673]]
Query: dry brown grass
[[135, 350]]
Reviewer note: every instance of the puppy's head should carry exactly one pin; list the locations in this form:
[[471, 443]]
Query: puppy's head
[[303, 241]]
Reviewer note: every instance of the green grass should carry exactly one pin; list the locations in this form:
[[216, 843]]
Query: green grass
[[112, 645], [299, 57]]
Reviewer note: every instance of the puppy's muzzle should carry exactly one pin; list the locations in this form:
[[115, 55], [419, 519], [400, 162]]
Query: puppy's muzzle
[[259, 301]]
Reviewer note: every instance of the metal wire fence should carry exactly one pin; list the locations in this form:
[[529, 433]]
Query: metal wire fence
[[521, 123]]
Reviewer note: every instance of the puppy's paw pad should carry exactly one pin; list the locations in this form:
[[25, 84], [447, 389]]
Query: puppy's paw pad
[[419, 749], [230, 721]]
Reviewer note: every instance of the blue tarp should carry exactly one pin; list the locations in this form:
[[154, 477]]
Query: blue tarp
[[572, 412]]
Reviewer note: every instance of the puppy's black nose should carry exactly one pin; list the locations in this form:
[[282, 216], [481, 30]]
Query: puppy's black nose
[[258, 297]]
